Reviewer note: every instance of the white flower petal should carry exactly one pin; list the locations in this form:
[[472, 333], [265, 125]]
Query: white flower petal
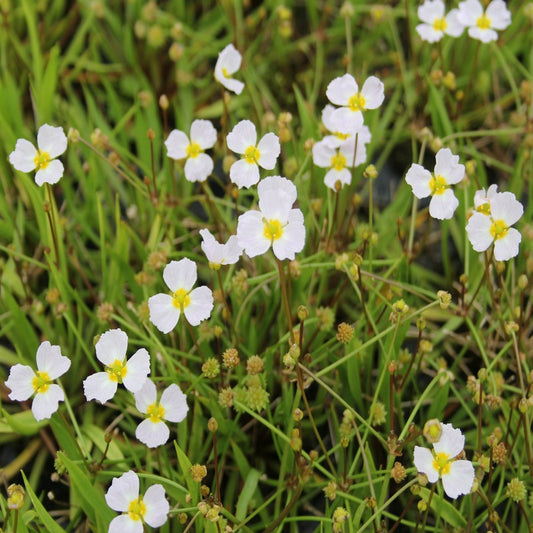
[[230, 59], [52, 140], [419, 178], [51, 174], [99, 387], [454, 28], [244, 174], [50, 360], [232, 251], [423, 460], [504, 206], [485, 36], [45, 404], [459, 479], [292, 239], [138, 367], [251, 233], [443, 206], [232, 85], [164, 315], [177, 143], [157, 507], [469, 12], [242, 136], [175, 403], [200, 306], [145, 396], [20, 382], [322, 154], [152, 434], [203, 133], [373, 92], [507, 247], [347, 121], [198, 168], [340, 90], [451, 442], [431, 10], [180, 274], [23, 157], [447, 165], [428, 33], [123, 491], [478, 231], [277, 184], [498, 14], [124, 524], [111, 346], [332, 176], [269, 149]]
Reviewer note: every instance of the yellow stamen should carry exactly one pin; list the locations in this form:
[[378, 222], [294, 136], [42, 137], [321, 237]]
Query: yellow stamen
[[226, 73], [117, 371], [156, 412], [499, 229], [193, 150], [181, 299], [442, 463], [41, 160], [251, 154], [137, 509], [338, 161], [484, 208], [438, 185], [357, 102], [341, 136], [440, 24], [41, 382], [273, 229], [483, 22]]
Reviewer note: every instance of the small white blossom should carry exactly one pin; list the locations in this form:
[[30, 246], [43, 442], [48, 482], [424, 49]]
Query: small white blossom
[[344, 91], [495, 227], [483, 198], [195, 304], [172, 407], [24, 382], [220, 254], [111, 352], [242, 139], [448, 171], [481, 23], [435, 24], [203, 136], [276, 223], [457, 474], [137, 510], [51, 142], [229, 62]]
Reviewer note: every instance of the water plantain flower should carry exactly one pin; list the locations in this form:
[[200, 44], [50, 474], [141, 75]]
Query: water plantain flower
[[435, 24], [482, 24], [229, 62]]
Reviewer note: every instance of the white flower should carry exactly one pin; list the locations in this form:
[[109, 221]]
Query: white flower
[[220, 254], [51, 143], [242, 139], [338, 157], [276, 224], [344, 91], [481, 23], [485, 229], [483, 198], [229, 62], [195, 304], [435, 23], [24, 382], [203, 136], [448, 171], [111, 351], [457, 475], [123, 496], [172, 407]]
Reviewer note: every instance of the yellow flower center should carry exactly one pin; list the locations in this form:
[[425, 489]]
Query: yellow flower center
[[193, 150], [181, 299], [357, 102], [483, 22], [438, 185], [273, 229], [499, 229], [442, 463], [341, 136], [41, 382], [156, 412], [439, 24], [117, 371], [137, 509], [225, 72], [338, 161], [251, 154], [484, 208], [41, 160]]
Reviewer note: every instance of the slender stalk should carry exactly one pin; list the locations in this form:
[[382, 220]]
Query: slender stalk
[[414, 207], [50, 210], [285, 298], [151, 135]]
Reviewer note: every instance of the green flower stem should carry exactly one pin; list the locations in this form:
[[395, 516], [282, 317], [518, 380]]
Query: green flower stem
[[285, 298], [51, 214]]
